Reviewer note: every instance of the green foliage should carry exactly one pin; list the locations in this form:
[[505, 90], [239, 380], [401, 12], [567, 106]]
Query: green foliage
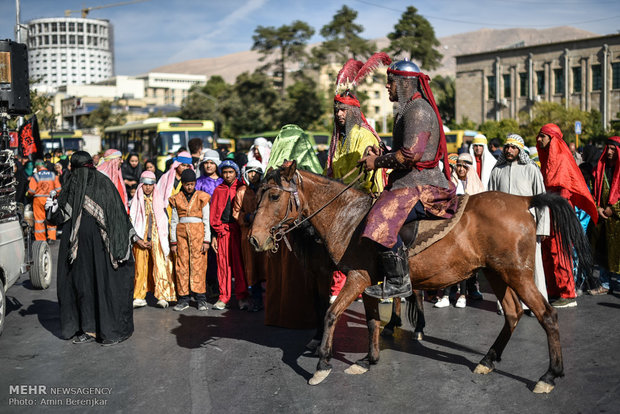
[[287, 42], [465, 123], [342, 39], [444, 93], [103, 116], [303, 105], [414, 35], [500, 129]]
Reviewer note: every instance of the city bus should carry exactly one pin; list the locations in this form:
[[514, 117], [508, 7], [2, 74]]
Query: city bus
[[65, 140], [158, 138]]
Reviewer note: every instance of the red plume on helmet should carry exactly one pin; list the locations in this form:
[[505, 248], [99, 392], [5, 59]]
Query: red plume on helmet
[[347, 74], [376, 60]]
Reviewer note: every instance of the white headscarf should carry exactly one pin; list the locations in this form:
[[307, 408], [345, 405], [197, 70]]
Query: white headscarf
[[488, 160], [264, 149]]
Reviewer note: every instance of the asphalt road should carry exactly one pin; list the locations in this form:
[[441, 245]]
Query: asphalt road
[[229, 361]]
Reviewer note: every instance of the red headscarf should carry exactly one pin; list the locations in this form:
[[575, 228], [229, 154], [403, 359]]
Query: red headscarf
[[110, 167], [599, 173], [561, 174]]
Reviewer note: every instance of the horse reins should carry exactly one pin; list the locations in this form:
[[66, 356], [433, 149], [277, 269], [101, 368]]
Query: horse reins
[[278, 232]]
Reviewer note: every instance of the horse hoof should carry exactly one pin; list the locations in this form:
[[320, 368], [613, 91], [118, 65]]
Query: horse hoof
[[319, 376], [543, 388], [313, 345], [355, 370], [418, 336], [482, 369]]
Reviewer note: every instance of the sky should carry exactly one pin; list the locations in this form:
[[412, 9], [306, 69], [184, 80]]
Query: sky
[[154, 33]]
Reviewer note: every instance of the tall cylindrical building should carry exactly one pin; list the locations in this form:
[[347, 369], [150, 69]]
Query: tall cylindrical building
[[70, 50]]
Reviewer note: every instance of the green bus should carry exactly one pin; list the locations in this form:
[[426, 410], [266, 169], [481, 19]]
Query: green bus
[[158, 138]]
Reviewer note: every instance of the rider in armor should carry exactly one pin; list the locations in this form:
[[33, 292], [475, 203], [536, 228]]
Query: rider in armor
[[417, 186]]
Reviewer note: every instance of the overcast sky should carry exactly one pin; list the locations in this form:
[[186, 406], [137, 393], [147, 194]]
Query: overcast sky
[[158, 32]]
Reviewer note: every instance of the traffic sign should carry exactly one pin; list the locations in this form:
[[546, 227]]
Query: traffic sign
[[577, 127]]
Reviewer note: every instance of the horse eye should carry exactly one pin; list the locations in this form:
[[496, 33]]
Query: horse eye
[[274, 197]]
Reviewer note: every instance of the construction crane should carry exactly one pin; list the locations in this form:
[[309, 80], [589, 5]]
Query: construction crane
[[87, 10]]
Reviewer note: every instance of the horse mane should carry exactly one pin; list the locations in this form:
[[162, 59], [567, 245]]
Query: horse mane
[[275, 174]]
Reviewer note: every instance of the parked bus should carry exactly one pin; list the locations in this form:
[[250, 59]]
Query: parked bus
[[243, 143], [455, 138], [65, 140], [158, 137]]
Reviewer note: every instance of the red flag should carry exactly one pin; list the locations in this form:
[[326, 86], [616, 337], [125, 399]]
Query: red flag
[[29, 139]]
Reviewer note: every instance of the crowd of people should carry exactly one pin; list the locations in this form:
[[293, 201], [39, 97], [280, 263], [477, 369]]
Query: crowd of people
[[130, 231]]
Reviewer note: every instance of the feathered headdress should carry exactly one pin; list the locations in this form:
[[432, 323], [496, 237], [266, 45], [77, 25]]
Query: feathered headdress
[[354, 71]]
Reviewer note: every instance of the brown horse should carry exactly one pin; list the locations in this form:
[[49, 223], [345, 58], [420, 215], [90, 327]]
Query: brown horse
[[496, 232]]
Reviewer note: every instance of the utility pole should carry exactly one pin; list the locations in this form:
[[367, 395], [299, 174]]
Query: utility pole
[[18, 27]]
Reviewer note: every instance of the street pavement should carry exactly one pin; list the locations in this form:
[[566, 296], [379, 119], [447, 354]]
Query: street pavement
[[230, 362]]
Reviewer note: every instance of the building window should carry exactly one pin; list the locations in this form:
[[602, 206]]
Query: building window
[[491, 88], [507, 86], [54, 29], [577, 80], [80, 27], [597, 80], [558, 76], [62, 27], [615, 75], [72, 27], [523, 84], [540, 82]]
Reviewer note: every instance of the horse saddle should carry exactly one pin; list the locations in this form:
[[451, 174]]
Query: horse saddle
[[418, 235]]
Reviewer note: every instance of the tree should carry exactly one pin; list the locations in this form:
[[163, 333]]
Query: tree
[[500, 129], [288, 41], [414, 35], [202, 102], [342, 39], [303, 106], [103, 116], [444, 93]]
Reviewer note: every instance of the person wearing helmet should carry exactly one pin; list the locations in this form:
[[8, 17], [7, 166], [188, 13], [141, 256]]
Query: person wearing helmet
[[417, 187]]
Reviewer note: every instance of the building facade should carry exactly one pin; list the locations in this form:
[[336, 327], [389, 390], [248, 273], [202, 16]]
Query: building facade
[[500, 84], [69, 51]]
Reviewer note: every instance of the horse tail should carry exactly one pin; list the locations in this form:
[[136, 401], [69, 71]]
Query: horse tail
[[567, 226]]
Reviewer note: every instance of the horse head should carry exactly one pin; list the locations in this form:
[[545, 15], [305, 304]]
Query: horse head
[[278, 206]]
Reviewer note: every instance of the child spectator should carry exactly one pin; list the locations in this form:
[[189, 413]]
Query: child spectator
[[228, 241], [189, 240]]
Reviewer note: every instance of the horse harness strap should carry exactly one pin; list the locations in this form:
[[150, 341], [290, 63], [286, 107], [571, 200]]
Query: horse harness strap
[[278, 231]]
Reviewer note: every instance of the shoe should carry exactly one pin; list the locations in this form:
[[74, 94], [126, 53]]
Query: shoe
[[529, 313], [564, 303], [461, 302], [395, 266], [202, 305], [500, 310], [181, 306], [475, 296], [83, 338], [110, 342], [244, 304], [163, 303], [332, 299], [219, 305], [51, 242], [138, 303], [598, 291], [442, 302]]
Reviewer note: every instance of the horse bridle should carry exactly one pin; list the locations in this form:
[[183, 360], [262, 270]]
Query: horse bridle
[[279, 231]]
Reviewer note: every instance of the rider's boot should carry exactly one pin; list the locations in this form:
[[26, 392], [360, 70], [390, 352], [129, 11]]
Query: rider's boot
[[395, 265]]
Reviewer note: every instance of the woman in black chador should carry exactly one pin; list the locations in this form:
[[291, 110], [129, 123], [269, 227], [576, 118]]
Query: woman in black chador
[[95, 266]]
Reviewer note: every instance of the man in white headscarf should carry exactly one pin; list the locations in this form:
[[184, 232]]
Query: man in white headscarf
[[260, 151], [484, 161], [515, 173]]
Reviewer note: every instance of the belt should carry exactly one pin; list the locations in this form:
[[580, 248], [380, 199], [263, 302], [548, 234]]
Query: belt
[[190, 220]]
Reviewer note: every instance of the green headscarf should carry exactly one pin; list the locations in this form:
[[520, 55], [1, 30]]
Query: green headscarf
[[292, 143]]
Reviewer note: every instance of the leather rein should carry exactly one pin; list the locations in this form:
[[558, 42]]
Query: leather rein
[[279, 231]]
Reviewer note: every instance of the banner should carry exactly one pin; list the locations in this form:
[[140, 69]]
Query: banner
[[29, 139]]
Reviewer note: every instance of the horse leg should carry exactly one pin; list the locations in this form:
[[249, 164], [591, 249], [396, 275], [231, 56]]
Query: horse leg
[[417, 308], [395, 319], [512, 314], [354, 285], [548, 317], [321, 304], [373, 320]]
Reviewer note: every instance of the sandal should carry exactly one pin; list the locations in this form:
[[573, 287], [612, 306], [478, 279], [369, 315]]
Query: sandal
[[83, 338], [598, 291]]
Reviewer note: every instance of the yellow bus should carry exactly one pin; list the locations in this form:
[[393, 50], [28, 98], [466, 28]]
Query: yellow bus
[[455, 138], [65, 140], [158, 137]]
